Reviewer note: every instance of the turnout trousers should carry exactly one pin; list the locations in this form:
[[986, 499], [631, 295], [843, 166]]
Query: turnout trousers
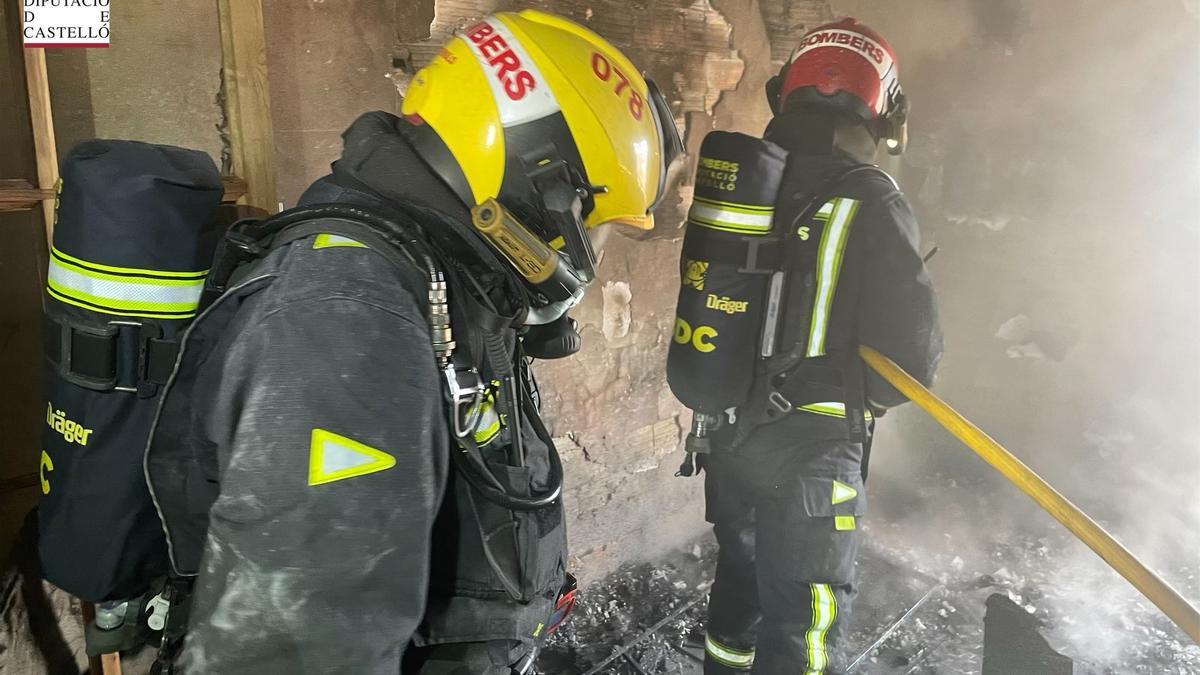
[[786, 519]]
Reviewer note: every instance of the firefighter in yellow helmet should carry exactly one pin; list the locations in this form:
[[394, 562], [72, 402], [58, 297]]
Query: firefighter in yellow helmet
[[350, 459]]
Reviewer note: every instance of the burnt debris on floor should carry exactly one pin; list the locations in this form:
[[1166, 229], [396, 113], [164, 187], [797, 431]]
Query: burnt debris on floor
[[613, 614], [1012, 642], [908, 618]]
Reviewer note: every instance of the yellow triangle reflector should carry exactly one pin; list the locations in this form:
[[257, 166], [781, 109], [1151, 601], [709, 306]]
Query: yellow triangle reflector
[[843, 492], [333, 457]]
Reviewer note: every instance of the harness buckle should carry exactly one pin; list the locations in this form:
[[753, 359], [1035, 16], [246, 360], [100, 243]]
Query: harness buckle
[[463, 388], [142, 334], [245, 244], [779, 403], [236, 248]]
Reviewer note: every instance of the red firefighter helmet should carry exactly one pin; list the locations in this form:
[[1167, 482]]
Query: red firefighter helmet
[[848, 67]]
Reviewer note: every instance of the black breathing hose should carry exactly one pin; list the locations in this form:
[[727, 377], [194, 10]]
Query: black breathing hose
[[396, 233], [481, 478]]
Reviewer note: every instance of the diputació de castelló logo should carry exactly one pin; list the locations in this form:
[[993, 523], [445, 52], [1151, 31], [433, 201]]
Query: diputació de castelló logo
[[65, 23]]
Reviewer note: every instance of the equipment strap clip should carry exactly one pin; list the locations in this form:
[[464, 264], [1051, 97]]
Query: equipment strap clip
[[247, 245], [464, 389], [779, 402]]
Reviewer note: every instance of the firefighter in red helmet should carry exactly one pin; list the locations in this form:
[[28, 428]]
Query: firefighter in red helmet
[[784, 481]]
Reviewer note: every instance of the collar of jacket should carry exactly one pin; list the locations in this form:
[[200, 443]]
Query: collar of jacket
[[377, 154], [378, 159]]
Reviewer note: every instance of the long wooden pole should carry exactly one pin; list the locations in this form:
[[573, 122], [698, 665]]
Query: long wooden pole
[[247, 100], [1087, 530], [45, 148]]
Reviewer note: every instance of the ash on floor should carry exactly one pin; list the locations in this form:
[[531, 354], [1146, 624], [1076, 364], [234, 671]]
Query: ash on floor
[[613, 614], [916, 614]]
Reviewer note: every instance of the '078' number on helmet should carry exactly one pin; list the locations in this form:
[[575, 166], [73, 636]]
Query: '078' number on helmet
[[606, 71]]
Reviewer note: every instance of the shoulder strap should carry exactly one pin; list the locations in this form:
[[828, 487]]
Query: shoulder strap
[[828, 189], [771, 396]]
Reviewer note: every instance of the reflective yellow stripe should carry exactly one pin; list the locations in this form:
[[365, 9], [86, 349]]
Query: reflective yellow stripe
[[126, 270], [844, 523], [725, 227], [735, 207], [830, 409], [327, 240], [829, 267], [130, 292], [731, 218], [824, 609], [728, 656]]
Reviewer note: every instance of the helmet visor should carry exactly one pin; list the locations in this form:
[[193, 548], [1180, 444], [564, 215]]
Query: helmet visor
[[670, 142]]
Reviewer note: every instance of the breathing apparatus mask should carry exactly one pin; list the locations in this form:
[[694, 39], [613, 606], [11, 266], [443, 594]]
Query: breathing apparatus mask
[[545, 239], [555, 276], [552, 214]]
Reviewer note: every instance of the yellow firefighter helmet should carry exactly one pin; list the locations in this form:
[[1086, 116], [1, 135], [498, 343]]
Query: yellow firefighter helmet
[[516, 95]]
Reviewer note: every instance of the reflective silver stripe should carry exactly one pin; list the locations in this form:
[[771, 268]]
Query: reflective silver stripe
[[728, 656], [122, 293], [824, 609], [829, 267], [728, 219]]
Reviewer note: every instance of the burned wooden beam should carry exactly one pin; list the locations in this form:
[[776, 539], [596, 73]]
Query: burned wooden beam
[[21, 195]]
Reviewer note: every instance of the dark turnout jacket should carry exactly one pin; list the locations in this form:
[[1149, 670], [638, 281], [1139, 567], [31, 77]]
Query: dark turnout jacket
[[300, 456]]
